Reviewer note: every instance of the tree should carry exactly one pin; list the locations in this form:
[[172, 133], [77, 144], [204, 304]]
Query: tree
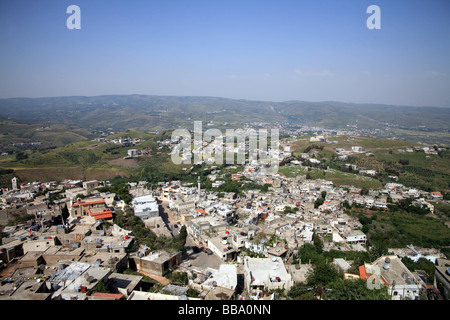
[[100, 287], [21, 156], [288, 209], [346, 204], [300, 292], [354, 290], [323, 274], [309, 253], [318, 202], [182, 236], [65, 212], [420, 264], [317, 243], [364, 191]]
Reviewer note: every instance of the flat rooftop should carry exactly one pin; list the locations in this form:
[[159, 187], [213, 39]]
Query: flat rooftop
[[262, 269], [159, 257]]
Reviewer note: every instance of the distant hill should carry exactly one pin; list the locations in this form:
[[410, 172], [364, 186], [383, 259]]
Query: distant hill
[[149, 113], [28, 134]]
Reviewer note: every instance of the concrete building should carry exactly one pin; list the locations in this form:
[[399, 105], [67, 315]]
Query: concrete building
[[76, 281], [442, 277], [341, 265], [123, 283], [263, 274], [357, 149], [133, 152], [220, 246], [139, 295], [89, 185], [158, 263], [92, 207], [145, 207], [222, 283], [390, 271]]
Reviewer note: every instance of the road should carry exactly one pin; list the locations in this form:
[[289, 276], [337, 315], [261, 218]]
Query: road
[[201, 259]]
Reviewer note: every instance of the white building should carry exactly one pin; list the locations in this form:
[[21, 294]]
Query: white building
[[263, 274], [356, 236], [145, 207], [133, 152], [390, 271], [225, 277], [357, 149]]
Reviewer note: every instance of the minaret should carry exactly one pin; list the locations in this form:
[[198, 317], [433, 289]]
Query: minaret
[[14, 183], [198, 192]]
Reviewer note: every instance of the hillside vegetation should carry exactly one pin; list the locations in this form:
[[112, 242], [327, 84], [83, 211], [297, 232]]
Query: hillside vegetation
[[151, 113], [389, 158]]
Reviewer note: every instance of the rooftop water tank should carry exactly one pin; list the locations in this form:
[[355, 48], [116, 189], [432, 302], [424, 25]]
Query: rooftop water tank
[[387, 262]]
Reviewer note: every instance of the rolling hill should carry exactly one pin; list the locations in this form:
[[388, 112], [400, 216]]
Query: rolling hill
[[150, 113]]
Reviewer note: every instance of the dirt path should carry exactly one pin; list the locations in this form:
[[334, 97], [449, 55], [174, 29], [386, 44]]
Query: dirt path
[[160, 279]]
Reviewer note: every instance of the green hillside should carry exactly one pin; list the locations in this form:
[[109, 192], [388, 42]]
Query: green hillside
[[21, 132], [152, 113], [79, 160], [428, 172]]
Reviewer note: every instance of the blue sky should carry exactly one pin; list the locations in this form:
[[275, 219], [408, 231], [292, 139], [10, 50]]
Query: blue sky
[[311, 50]]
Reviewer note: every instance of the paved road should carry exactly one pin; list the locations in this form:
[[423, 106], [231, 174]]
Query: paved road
[[201, 260]]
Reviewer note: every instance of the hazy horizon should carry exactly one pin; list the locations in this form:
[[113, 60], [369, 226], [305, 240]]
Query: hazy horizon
[[275, 51], [217, 97]]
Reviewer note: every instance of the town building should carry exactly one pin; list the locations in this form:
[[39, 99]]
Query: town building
[[262, 274]]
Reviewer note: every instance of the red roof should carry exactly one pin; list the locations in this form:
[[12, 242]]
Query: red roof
[[362, 272], [105, 214], [385, 282], [201, 211], [88, 203]]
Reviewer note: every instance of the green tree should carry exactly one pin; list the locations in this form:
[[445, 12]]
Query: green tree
[[300, 292], [318, 202], [323, 274], [21, 156], [355, 289], [309, 253], [318, 243], [65, 212], [182, 237], [100, 287]]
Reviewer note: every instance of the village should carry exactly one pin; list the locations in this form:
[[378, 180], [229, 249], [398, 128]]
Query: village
[[237, 247]]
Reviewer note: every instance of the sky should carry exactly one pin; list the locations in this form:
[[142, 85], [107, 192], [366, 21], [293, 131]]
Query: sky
[[310, 50]]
